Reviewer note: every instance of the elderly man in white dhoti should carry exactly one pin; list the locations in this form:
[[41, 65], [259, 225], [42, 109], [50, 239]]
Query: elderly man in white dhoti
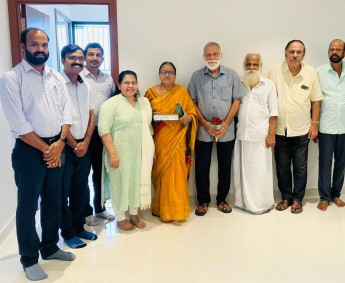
[[257, 121]]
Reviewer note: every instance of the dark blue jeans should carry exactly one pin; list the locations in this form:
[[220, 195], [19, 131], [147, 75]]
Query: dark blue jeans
[[293, 149], [34, 179], [203, 153], [74, 193], [330, 145]]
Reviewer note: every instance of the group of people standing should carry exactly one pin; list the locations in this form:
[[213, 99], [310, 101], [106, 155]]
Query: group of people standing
[[66, 123]]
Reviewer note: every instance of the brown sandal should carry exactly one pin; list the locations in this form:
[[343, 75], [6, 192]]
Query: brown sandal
[[284, 204], [204, 209], [296, 205], [221, 207]]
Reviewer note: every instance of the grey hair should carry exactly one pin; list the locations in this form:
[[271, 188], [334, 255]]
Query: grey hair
[[252, 53], [213, 43]]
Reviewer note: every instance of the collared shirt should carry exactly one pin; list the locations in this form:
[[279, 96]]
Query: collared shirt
[[101, 89], [34, 102], [295, 94], [79, 96], [215, 96], [332, 115], [256, 108]]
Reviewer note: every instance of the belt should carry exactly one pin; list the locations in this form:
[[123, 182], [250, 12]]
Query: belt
[[47, 140]]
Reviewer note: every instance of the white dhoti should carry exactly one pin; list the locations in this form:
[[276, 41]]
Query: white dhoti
[[253, 178]]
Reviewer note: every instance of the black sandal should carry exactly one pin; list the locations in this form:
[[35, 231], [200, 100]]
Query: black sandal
[[203, 212], [224, 210]]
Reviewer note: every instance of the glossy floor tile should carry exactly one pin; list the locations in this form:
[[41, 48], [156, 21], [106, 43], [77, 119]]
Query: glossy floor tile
[[278, 247]]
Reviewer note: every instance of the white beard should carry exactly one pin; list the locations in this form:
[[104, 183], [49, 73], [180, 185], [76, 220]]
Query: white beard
[[251, 77], [212, 67]]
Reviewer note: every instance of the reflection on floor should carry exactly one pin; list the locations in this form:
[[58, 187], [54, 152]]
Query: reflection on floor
[[277, 247]]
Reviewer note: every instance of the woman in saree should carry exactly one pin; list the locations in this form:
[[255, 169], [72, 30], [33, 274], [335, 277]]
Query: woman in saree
[[174, 142], [125, 129]]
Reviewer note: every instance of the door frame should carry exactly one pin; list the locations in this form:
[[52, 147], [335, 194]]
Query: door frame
[[15, 27]]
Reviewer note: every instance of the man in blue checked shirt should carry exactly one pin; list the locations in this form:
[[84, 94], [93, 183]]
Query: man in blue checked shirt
[[36, 105], [332, 126]]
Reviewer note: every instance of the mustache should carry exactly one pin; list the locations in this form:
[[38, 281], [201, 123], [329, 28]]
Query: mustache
[[40, 53], [94, 61], [75, 64]]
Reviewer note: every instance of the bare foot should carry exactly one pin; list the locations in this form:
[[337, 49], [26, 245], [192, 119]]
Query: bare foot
[[323, 205], [134, 219], [125, 225], [338, 202], [268, 211]]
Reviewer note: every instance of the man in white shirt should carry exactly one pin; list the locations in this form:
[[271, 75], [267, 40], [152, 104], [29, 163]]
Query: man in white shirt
[[77, 164], [257, 122], [36, 106], [102, 87]]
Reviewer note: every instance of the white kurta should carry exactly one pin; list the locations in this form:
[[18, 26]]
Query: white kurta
[[253, 177]]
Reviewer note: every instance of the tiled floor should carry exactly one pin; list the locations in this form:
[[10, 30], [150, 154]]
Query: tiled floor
[[278, 247]]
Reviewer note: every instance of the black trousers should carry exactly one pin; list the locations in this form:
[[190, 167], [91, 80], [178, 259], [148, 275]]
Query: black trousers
[[293, 149], [74, 188], [34, 179], [330, 145], [203, 153], [96, 150]]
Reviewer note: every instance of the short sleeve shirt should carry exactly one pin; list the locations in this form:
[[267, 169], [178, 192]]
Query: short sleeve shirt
[[81, 105], [332, 115], [215, 96], [295, 94]]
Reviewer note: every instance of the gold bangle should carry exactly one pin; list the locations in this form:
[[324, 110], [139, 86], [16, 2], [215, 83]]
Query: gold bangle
[[112, 155], [317, 122]]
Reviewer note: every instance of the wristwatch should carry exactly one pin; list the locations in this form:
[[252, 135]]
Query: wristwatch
[[63, 139]]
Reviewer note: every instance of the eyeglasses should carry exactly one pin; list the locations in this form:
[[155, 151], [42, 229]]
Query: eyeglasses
[[170, 73], [129, 83], [208, 55], [75, 59]]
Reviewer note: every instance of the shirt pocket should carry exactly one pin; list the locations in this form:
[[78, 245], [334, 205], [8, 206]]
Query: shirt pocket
[[225, 93], [302, 91]]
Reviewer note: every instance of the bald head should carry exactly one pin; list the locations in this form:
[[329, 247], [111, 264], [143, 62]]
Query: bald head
[[252, 61], [337, 41]]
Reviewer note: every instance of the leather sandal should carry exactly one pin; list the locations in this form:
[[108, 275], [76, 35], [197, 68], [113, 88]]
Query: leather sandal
[[204, 209], [223, 209], [281, 205], [296, 205]]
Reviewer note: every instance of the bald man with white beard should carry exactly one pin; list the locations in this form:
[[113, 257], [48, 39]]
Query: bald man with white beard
[[257, 121]]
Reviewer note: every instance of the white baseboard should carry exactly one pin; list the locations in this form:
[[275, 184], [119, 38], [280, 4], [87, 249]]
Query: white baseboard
[[7, 229], [310, 192]]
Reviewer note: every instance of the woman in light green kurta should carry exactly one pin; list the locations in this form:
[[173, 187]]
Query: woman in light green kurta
[[125, 128]]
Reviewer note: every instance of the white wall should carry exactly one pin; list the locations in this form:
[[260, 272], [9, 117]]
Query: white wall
[[155, 31], [8, 189]]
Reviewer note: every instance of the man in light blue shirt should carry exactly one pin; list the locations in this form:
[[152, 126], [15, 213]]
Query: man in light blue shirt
[[216, 91], [35, 102], [332, 126], [77, 167], [102, 87]]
